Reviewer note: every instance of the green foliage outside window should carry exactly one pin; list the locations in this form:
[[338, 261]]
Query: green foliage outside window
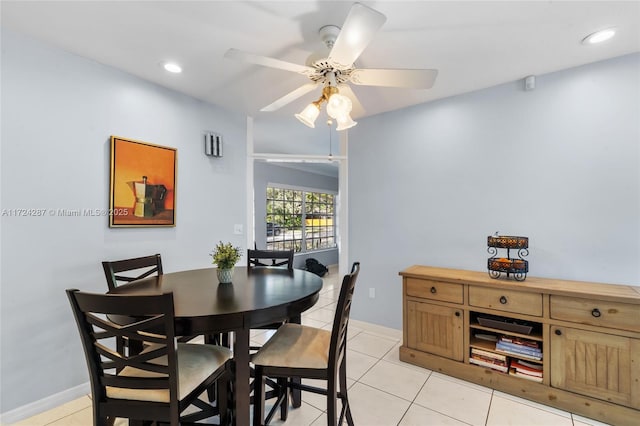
[[298, 219]]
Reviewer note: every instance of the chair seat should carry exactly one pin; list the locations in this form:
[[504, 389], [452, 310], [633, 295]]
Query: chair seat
[[295, 346], [196, 362]]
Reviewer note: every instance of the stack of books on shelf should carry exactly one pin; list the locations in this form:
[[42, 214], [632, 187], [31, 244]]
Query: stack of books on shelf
[[519, 347], [489, 359], [526, 370]]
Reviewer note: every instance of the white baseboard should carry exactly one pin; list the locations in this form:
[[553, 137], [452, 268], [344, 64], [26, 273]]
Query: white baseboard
[[392, 333], [44, 404]]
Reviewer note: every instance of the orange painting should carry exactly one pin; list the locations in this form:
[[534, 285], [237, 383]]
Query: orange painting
[[143, 184]]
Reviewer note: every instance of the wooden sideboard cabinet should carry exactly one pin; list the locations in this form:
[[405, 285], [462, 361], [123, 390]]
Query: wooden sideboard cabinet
[[582, 339]]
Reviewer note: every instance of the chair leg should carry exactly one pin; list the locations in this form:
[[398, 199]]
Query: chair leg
[[284, 391], [331, 402], [258, 395], [100, 419], [349, 416], [296, 394], [120, 345], [223, 401], [211, 339], [212, 393], [343, 390]]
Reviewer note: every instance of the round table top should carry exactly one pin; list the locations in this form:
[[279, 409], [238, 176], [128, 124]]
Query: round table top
[[256, 296]]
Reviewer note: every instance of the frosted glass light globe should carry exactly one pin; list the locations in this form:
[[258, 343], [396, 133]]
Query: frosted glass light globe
[[338, 106], [308, 115], [345, 122]]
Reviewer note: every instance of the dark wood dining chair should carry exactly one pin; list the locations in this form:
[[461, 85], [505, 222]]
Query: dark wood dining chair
[[261, 258], [127, 270], [135, 269], [273, 258], [303, 352], [269, 259], [138, 268], [157, 384]]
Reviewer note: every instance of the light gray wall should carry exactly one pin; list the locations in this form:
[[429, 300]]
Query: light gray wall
[[560, 164], [266, 173], [58, 111]]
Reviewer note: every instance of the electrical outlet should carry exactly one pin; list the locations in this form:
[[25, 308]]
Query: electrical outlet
[[237, 229], [372, 293]]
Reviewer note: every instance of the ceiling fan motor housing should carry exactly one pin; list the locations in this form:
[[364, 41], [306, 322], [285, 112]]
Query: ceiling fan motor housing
[[319, 60]]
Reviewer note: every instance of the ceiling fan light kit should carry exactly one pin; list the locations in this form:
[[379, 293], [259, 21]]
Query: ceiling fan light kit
[[336, 67], [338, 107]]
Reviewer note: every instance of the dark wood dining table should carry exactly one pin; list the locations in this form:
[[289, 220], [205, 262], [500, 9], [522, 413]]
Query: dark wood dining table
[[256, 297]]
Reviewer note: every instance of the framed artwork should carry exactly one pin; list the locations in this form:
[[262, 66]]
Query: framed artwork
[[143, 184]]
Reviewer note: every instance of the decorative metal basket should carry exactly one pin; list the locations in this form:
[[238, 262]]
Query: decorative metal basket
[[516, 267]]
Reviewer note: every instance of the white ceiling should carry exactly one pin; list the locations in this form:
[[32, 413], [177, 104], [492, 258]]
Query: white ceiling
[[473, 44]]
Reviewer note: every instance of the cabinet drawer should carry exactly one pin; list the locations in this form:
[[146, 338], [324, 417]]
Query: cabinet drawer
[[506, 300], [624, 316], [434, 290]]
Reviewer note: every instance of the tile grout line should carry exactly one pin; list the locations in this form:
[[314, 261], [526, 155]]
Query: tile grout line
[[486, 418], [66, 416], [413, 402]]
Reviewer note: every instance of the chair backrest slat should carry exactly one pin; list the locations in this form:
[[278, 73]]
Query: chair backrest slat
[[262, 258], [337, 347], [142, 266], [134, 382]]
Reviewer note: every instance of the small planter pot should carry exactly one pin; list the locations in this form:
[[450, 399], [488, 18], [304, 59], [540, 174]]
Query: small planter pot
[[225, 275]]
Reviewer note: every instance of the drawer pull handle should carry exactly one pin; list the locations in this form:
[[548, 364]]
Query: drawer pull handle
[[433, 290], [558, 332], [457, 313], [596, 312], [503, 300]]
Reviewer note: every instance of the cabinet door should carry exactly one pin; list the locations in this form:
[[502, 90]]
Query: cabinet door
[[599, 365], [435, 329]]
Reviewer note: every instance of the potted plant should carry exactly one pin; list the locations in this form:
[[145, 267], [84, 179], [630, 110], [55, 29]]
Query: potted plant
[[225, 256]]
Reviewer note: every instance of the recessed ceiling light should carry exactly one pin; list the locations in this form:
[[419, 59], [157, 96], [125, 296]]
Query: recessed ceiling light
[[599, 36], [172, 67]]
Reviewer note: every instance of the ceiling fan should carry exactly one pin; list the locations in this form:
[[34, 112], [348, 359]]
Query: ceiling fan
[[333, 70]]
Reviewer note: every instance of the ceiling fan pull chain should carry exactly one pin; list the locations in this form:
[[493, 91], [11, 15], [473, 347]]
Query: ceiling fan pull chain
[[329, 123]]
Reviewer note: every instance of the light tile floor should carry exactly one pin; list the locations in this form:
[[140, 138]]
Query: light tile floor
[[382, 389]]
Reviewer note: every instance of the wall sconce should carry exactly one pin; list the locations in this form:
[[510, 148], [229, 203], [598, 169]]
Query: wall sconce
[[213, 144]]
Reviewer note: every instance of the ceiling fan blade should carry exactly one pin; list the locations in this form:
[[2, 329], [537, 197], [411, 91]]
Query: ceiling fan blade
[[358, 30], [357, 110], [410, 79], [267, 62], [290, 97]]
